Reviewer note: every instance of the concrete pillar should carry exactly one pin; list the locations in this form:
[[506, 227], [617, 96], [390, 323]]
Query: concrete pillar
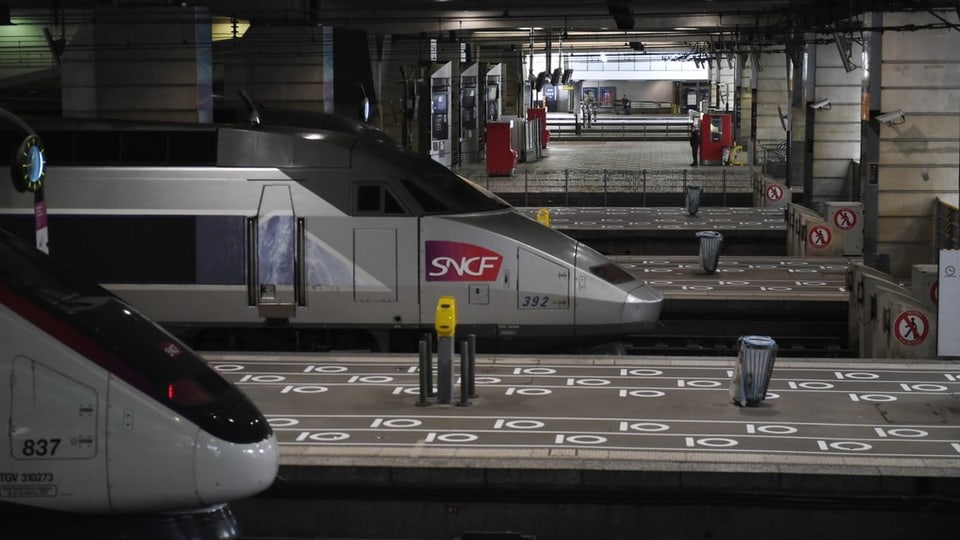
[[836, 130], [141, 63], [869, 137]]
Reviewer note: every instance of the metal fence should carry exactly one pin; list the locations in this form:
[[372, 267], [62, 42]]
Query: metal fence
[[947, 234], [613, 187]]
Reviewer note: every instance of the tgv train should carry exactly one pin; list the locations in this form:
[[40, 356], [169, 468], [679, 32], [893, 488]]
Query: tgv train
[[310, 238], [107, 413]]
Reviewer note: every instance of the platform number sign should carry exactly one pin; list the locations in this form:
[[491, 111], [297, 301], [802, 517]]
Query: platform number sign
[[819, 237], [911, 327], [845, 219], [774, 192]]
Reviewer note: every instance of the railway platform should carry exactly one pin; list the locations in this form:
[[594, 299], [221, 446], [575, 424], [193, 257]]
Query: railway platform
[[599, 447]]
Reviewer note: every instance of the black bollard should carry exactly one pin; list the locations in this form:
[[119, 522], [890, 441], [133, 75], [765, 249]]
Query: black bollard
[[464, 373], [424, 374], [472, 357], [428, 339]]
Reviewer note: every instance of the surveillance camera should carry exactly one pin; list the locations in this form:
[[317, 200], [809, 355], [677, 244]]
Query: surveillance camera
[[893, 118], [823, 104]]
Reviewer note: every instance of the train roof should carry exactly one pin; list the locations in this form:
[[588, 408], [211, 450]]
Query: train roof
[[283, 140]]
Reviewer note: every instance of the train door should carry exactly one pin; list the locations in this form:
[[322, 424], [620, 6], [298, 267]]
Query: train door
[[53, 419], [275, 274], [542, 285]]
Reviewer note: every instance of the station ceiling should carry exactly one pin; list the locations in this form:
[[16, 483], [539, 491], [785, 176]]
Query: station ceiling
[[638, 25]]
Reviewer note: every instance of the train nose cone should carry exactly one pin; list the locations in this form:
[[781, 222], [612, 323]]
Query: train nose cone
[[228, 471], [642, 308]]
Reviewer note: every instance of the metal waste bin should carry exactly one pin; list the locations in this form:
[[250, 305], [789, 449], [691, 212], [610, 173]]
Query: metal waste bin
[[710, 250], [693, 199], [754, 368]]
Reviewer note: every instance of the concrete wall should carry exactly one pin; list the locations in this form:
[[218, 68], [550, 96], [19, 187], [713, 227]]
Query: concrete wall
[[918, 159], [836, 139], [771, 93]]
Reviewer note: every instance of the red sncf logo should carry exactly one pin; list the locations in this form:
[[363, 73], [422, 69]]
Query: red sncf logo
[[456, 261]]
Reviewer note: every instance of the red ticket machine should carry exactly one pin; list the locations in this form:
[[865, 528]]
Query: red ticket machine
[[540, 114], [501, 157], [716, 132]]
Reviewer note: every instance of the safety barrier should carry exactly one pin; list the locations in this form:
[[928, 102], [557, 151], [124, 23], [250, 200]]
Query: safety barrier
[[622, 187], [888, 319], [774, 163], [770, 193], [809, 235]]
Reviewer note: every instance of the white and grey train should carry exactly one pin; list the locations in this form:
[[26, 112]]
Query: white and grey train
[[309, 238], [105, 412]]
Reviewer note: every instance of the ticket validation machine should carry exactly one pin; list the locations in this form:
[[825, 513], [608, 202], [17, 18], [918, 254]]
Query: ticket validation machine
[[470, 125], [716, 133], [492, 96], [441, 146]]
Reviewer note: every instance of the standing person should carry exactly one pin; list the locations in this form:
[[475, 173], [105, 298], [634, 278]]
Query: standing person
[[695, 143]]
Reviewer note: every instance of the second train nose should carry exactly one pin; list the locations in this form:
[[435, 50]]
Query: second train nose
[[228, 471]]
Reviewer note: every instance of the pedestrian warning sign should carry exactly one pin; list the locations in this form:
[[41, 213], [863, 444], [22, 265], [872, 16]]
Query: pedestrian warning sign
[[845, 219], [774, 192], [911, 327], [819, 236]]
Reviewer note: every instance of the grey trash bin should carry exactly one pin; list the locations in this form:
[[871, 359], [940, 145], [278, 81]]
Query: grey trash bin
[[693, 199], [754, 368], [710, 250]]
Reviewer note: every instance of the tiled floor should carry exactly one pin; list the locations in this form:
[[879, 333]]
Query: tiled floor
[[620, 155]]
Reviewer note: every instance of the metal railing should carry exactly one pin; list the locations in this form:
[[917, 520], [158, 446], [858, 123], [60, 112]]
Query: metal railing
[[947, 226], [617, 187]]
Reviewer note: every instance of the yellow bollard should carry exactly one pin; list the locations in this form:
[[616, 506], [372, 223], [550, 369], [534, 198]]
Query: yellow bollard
[[446, 323], [543, 216]]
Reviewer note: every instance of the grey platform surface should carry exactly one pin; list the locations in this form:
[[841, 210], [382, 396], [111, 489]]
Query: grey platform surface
[[743, 277], [663, 218], [854, 417]]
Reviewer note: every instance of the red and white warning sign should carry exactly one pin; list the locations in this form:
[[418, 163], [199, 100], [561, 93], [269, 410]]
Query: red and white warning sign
[[774, 192], [845, 219], [819, 236], [911, 327], [935, 292]]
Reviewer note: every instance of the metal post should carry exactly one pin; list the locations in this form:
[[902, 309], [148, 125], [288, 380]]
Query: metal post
[[428, 342], [723, 181], [464, 373], [566, 187], [526, 190], [644, 173], [445, 369], [424, 374], [604, 188], [472, 355]]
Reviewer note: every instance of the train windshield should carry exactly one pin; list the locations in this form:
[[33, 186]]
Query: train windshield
[[602, 267], [438, 190], [99, 326]]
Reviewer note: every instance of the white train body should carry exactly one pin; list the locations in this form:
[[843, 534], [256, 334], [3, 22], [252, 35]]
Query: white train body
[[106, 412], [324, 232]]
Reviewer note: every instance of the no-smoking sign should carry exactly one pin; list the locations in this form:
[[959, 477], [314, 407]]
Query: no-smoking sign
[[911, 327], [845, 219], [819, 236], [774, 192]]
